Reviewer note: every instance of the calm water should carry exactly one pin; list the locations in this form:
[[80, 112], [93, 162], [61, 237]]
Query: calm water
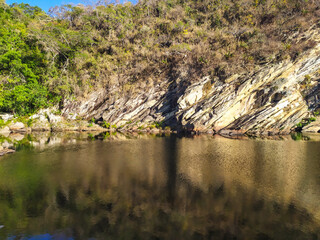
[[146, 187]]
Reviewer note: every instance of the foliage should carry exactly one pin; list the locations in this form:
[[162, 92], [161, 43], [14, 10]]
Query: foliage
[[106, 124], [298, 136], [158, 124], [2, 122], [92, 121]]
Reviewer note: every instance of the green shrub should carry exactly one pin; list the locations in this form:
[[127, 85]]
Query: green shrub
[[158, 124], [92, 121], [2, 123], [106, 124], [23, 99]]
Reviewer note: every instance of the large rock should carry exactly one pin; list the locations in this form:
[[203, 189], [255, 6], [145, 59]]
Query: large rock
[[6, 116], [40, 123], [7, 144], [5, 131], [6, 151], [17, 127], [313, 127]]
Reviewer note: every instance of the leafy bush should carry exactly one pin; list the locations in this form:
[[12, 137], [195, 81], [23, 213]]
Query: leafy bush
[[2, 123], [91, 122], [23, 99]]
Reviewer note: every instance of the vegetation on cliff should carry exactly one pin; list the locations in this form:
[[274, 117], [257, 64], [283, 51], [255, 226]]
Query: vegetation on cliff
[[47, 58]]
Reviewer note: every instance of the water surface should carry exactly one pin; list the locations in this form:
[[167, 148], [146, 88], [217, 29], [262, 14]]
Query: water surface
[[148, 187]]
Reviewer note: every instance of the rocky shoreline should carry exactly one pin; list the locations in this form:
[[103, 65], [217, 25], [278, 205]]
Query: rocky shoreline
[[47, 127], [131, 118], [47, 121]]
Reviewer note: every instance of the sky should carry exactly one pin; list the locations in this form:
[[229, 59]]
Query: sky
[[46, 4]]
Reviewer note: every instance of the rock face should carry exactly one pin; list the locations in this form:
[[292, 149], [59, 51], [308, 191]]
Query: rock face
[[271, 100]]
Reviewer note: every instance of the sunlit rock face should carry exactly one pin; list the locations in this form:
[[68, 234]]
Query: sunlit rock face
[[272, 99]]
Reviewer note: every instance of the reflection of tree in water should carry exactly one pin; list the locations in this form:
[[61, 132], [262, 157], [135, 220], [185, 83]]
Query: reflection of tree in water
[[90, 204]]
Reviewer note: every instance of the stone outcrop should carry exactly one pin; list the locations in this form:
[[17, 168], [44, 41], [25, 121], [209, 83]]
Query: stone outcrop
[[270, 100]]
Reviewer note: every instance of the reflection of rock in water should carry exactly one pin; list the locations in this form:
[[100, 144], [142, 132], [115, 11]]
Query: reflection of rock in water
[[275, 169], [166, 188]]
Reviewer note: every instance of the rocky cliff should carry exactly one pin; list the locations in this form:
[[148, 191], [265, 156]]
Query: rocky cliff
[[271, 99]]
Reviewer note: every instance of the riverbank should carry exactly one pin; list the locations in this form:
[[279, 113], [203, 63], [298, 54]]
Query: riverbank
[[48, 122], [17, 141]]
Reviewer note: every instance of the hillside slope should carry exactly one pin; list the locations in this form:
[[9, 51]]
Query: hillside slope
[[188, 64]]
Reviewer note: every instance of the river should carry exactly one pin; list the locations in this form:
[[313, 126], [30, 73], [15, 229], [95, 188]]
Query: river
[[116, 186]]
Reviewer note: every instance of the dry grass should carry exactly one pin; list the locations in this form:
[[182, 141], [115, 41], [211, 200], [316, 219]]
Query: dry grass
[[161, 39]]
